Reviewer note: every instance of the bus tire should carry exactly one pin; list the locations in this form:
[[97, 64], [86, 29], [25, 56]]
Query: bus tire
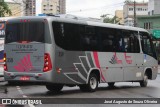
[[92, 84], [54, 87], [144, 82], [111, 84]]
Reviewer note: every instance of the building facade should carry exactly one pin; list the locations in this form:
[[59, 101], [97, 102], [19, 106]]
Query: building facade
[[50, 7], [53, 6], [15, 9], [119, 15], [154, 7], [128, 11], [29, 7], [149, 23], [62, 6]]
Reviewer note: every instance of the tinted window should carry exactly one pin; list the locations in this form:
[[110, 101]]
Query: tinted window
[[110, 39], [147, 45], [131, 42], [76, 37], [33, 31], [67, 36]]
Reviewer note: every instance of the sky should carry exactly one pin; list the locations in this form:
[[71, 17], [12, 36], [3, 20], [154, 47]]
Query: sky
[[90, 8]]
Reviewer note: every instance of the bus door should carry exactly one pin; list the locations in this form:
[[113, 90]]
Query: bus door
[[133, 58], [112, 55]]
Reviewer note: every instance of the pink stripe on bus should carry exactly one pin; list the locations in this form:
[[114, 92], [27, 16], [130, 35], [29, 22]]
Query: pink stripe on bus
[[95, 54]]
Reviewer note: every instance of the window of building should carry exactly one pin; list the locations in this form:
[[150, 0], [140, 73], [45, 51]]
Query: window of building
[[139, 9], [152, 12], [130, 9], [148, 25]]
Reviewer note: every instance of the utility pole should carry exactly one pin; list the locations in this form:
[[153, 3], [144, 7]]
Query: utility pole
[[135, 24]]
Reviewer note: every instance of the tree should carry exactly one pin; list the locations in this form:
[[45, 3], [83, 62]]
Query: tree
[[107, 19], [4, 9]]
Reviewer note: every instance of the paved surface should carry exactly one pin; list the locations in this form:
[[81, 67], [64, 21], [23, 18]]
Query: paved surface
[[121, 90]]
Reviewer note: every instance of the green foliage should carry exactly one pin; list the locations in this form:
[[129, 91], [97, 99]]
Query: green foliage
[[107, 19], [4, 9]]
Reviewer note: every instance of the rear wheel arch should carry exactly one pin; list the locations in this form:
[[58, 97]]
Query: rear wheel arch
[[96, 72], [92, 81]]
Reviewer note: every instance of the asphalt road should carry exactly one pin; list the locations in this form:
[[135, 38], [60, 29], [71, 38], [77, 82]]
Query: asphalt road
[[121, 90]]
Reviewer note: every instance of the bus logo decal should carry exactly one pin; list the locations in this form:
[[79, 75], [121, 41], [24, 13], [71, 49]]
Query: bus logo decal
[[115, 59], [128, 59], [24, 65]]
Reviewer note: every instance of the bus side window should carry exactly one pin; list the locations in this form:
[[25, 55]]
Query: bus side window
[[89, 41], [131, 42]]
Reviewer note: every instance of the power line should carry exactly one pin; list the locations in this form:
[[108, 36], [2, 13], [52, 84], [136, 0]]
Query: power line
[[103, 7]]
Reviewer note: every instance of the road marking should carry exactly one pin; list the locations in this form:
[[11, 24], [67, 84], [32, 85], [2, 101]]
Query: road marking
[[24, 96]]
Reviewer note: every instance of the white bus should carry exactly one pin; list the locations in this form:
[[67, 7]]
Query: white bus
[[70, 52], [2, 34]]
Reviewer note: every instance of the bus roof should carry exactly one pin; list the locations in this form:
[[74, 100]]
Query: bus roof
[[76, 21], [6, 18]]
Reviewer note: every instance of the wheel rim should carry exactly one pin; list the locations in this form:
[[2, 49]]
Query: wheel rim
[[93, 83]]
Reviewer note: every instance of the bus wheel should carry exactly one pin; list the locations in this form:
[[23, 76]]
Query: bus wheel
[[92, 84], [111, 84], [54, 87], [144, 82]]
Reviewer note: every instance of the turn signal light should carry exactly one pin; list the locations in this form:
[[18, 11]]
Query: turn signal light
[[5, 65]]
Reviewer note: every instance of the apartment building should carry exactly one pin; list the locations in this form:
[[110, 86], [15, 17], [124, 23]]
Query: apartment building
[[29, 7], [154, 7], [128, 11], [53, 6]]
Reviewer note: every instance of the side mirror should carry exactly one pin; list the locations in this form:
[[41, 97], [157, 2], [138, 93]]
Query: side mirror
[[151, 35]]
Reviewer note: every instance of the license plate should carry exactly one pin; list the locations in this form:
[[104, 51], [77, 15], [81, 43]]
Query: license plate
[[25, 78]]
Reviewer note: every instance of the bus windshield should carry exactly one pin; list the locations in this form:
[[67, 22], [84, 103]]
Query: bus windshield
[[30, 31], [147, 45]]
